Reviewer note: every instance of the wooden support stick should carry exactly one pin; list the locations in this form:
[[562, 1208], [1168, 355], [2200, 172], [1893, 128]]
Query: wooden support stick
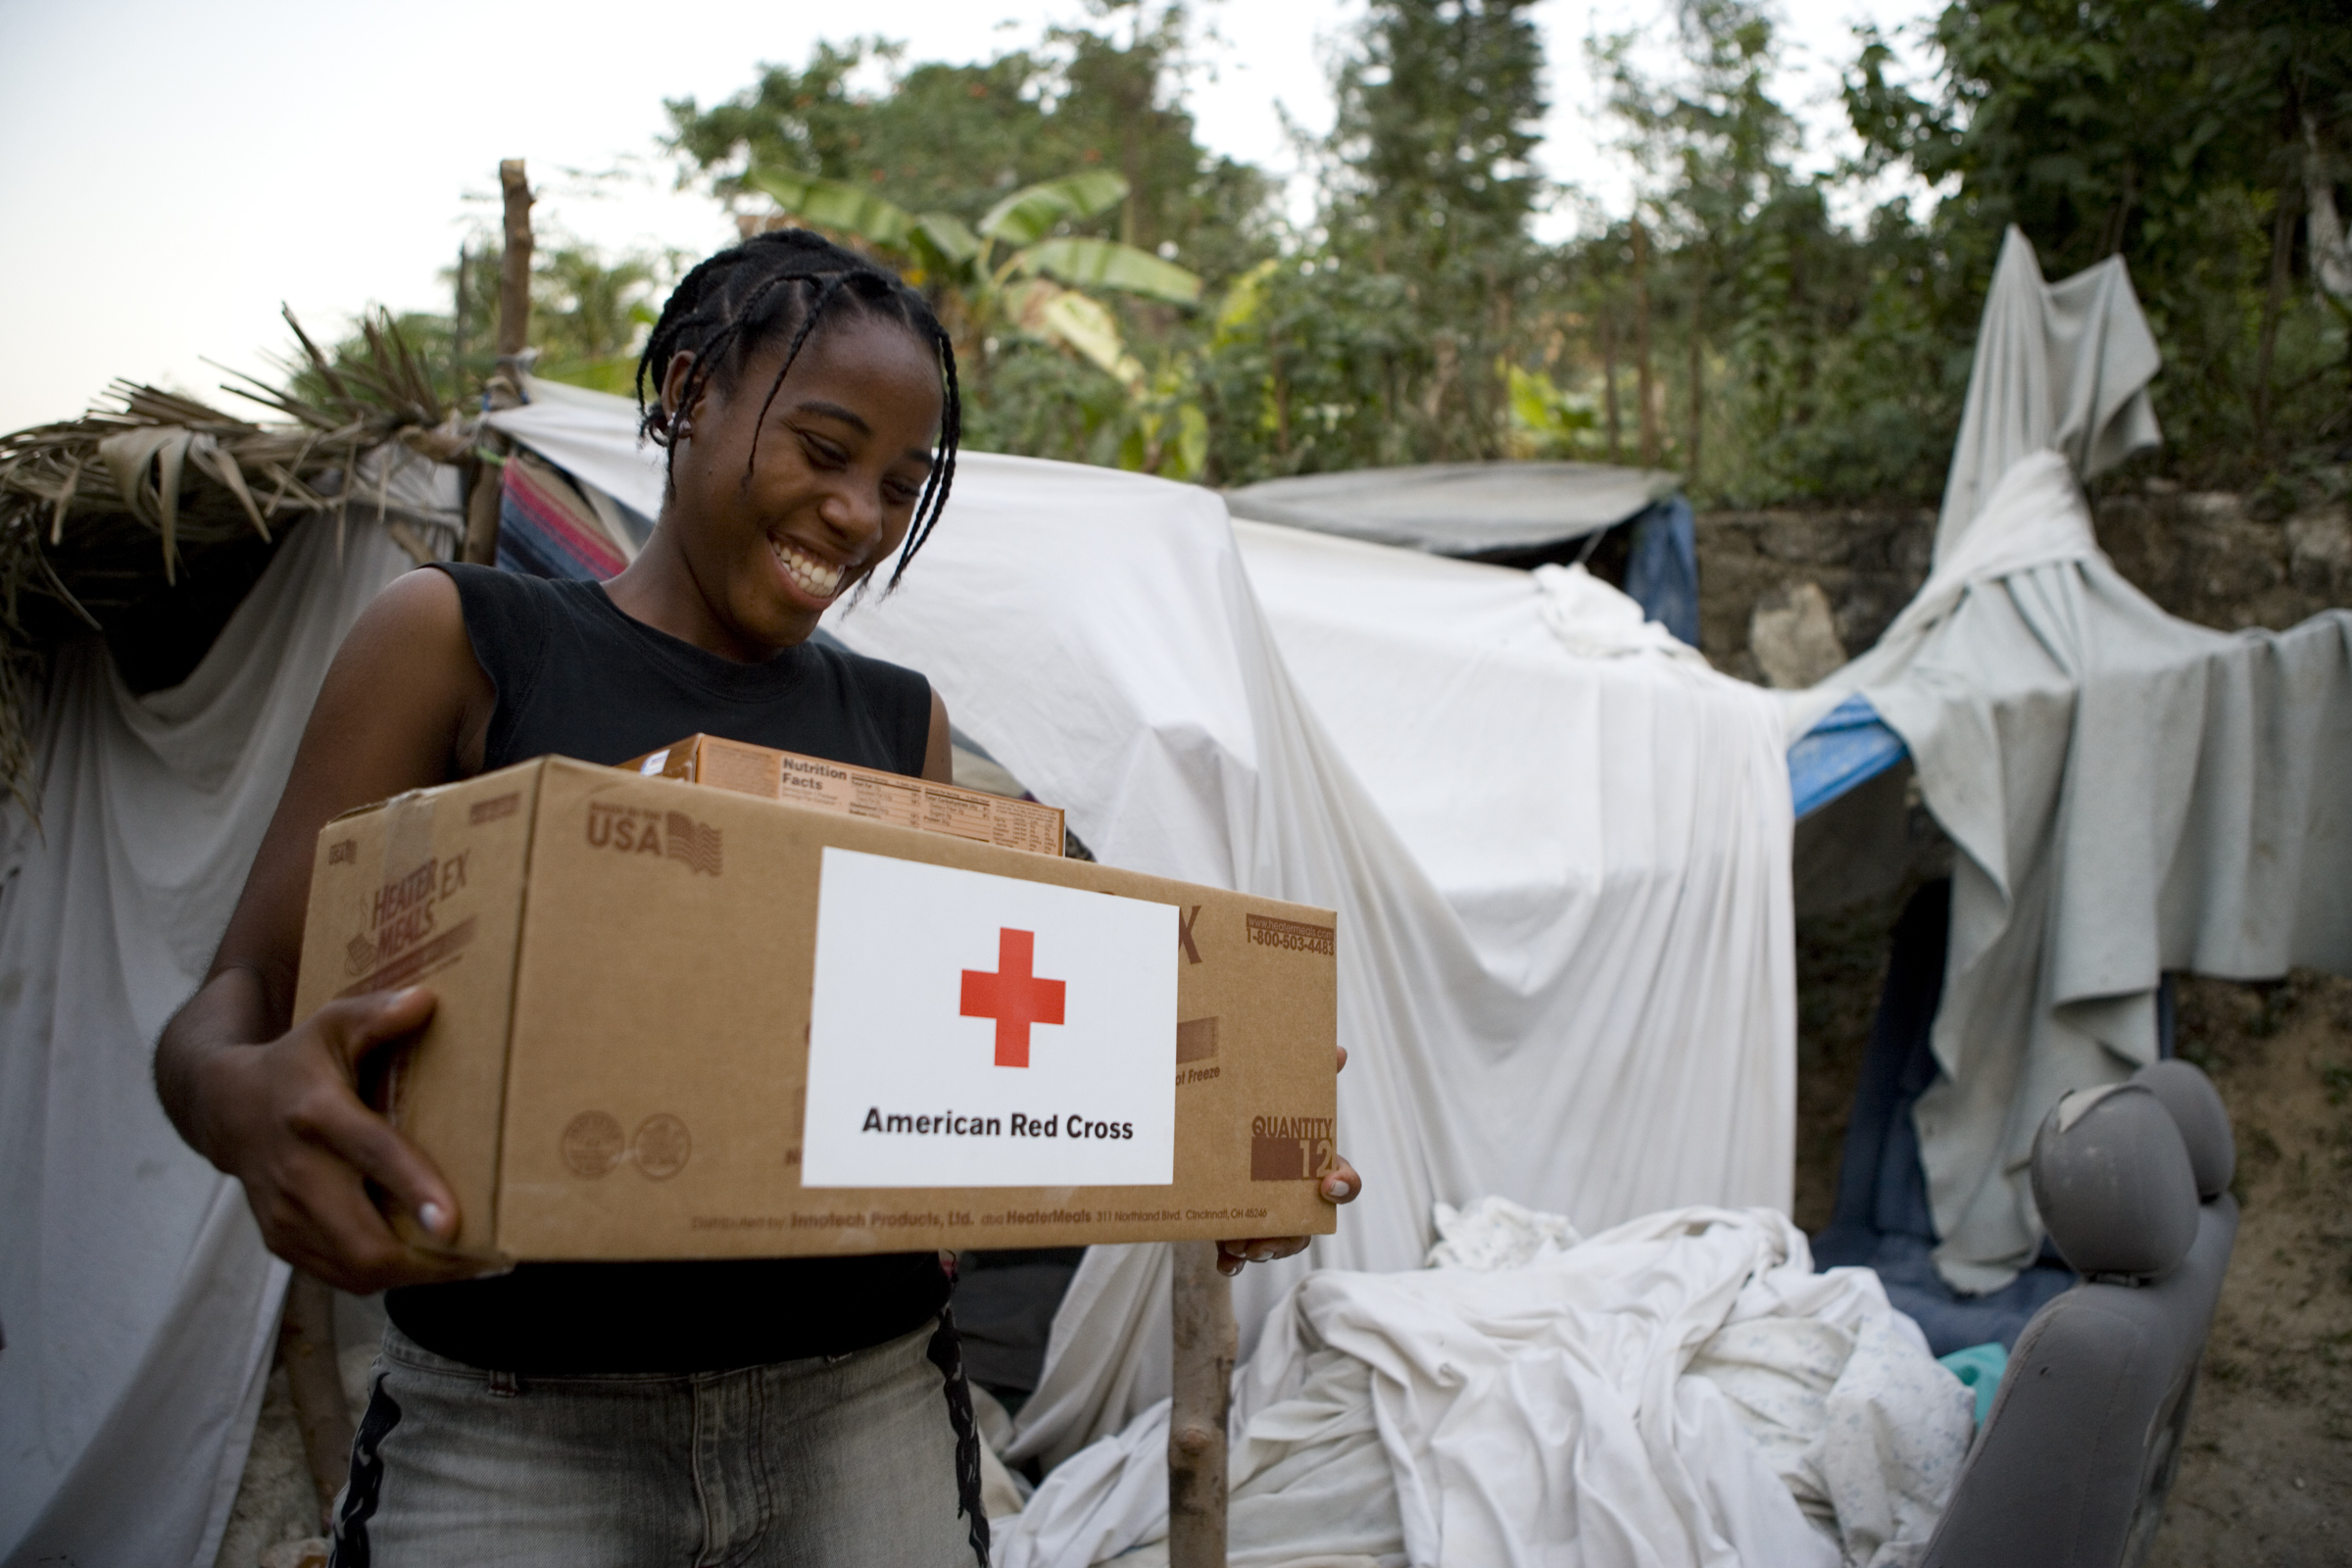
[[1201, 1311], [1642, 385], [306, 1344], [514, 266], [486, 481], [486, 488]]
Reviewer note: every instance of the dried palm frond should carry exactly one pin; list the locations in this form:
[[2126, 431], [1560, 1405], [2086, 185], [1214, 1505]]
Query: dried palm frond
[[98, 514]]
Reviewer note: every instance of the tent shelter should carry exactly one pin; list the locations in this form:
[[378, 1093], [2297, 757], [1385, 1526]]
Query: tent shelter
[[1601, 1025], [1560, 850], [138, 1306]]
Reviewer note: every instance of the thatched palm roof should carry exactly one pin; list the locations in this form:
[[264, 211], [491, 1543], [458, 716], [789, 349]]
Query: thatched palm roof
[[100, 515]]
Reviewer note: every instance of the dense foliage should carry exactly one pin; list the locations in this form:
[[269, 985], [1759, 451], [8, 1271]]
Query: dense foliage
[[1770, 330]]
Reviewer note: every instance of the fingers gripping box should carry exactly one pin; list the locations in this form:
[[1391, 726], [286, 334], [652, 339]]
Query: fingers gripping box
[[680, 1022]]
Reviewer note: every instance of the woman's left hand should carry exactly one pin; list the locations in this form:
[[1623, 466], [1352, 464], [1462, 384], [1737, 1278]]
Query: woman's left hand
[[1339, 1186]]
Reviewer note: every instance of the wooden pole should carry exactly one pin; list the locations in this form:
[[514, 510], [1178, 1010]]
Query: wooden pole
[[505, 389], [457, 330], [1642, 386], [1698, 390], [1608, 376], [515, 267], [1205, 1339], [306, 1345], [483, 493]]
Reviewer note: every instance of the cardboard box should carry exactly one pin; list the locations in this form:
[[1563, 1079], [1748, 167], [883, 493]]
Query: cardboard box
[[650, 991], [849, 791]]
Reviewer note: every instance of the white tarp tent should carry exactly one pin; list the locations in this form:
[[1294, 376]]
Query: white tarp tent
[[1567, 961], [2130, 792], [1598, 1020]]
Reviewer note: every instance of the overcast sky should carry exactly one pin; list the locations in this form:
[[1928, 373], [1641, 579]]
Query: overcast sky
[[171, 171]]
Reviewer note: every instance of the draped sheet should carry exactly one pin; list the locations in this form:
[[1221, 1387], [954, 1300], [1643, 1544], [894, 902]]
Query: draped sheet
[[2130, 792], [1562, 881], [138, 1303], [2059, 367], [1566, 969]]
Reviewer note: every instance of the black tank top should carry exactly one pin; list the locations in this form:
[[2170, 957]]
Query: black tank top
[[578, 677]]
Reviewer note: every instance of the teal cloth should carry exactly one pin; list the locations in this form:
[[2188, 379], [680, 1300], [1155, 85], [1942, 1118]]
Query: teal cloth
[[1980, 1366]]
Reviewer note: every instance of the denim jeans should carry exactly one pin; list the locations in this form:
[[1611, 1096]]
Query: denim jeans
[[831, 1462]]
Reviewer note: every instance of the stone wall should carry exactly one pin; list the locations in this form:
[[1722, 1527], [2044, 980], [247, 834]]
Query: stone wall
[[1787, 595]]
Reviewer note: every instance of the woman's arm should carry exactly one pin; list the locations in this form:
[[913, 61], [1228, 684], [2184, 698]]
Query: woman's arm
[[939, 753], [404, 705]]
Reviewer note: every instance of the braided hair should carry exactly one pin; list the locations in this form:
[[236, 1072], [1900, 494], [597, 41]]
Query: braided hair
[[771, 285]]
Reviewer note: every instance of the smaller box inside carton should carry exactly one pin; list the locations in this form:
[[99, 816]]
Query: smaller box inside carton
[[848, 791]]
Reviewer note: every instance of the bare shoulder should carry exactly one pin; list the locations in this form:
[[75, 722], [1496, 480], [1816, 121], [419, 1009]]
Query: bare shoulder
[[406, 685], [418, 607]]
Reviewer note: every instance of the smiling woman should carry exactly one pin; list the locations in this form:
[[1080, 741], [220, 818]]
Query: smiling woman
[[723, 326], [759, 1410], [807, 402]]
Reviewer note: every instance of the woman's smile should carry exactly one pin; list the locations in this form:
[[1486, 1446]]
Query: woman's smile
[[820, 579], [787, 493]]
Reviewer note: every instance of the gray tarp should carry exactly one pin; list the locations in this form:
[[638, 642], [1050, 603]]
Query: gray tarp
[[2130, 792], [1458, 509]]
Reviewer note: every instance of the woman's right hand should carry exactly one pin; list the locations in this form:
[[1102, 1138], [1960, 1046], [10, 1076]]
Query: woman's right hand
[[404, 705], [286, 1120]]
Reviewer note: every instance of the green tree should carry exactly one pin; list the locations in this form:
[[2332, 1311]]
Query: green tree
[[2187, 138], [1037, 285], [956, 139], [1382, 337], [590, 316]]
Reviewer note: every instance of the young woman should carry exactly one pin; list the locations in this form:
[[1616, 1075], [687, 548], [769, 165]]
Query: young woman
[[744, 1413]]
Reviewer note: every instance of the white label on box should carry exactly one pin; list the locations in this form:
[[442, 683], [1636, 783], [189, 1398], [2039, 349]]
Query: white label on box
[[969, 1030]]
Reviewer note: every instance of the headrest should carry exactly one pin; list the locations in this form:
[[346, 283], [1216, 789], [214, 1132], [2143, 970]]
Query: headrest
[[2204, 1121], [2112, 1179]]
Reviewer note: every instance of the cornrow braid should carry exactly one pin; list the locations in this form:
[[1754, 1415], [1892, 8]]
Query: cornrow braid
[[780, 286]]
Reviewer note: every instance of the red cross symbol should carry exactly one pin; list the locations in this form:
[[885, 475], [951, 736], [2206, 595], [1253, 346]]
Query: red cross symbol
[[1012, 996]]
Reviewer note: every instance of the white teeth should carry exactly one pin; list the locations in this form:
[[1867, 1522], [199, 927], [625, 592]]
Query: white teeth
[[812, 574]]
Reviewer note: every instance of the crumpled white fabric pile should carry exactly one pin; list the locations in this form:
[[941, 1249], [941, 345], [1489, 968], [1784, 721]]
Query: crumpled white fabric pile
[[1597, 621], [1678, 1390]]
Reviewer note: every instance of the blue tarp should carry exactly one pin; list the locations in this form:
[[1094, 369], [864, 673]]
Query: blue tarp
[[1661, 572], [1883, 1221], [1849, 746]]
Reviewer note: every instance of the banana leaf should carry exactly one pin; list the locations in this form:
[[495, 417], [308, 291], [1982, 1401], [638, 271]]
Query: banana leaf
[[839, 205], [1065, 316], [1028, 215], [1107, 264], [949, 236]]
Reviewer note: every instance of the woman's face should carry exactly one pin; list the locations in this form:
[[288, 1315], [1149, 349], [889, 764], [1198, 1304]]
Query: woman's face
[[842, 460]]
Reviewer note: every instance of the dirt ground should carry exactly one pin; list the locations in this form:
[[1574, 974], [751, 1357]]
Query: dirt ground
[[2265, 1477]]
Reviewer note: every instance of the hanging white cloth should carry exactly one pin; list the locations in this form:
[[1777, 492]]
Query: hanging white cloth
[[2130, 792], [138, 1303], [2061, 368], [1562, 881]]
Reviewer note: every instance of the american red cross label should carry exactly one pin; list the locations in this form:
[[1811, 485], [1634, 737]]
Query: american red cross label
[[969, 1030]]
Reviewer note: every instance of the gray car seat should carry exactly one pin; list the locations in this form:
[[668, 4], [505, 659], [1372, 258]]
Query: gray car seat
[[2073, 1466]]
